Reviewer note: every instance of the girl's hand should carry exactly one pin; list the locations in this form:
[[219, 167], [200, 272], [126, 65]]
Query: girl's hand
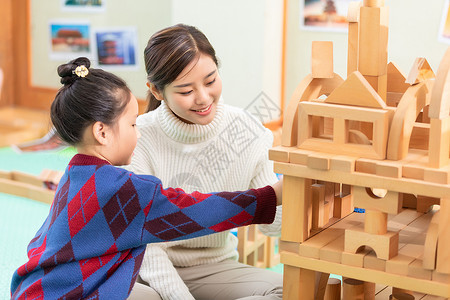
[[278, 187]]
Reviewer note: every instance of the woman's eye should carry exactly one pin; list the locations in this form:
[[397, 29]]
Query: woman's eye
[[185, 93], [211, 82]]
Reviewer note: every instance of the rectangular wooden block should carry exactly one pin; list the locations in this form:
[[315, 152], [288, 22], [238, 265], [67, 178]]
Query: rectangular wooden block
[[343, 163], [280, 153], [322, 59], [365, 165], [318, 162], [389, 169], [373, 41]]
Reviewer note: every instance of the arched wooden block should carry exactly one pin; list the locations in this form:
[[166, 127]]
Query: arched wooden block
[[440, 97], [310, 88], [384, 245], [413, 101]]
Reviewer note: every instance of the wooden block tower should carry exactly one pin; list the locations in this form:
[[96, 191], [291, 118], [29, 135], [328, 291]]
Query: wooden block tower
[[380, 141]]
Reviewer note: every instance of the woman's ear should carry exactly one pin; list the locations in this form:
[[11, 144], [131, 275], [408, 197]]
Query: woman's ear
[[99, 130], [155, 91]]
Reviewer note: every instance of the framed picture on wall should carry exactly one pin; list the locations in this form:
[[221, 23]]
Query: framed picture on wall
[[69, 39], [83, 5], [324, 15], [444, 30], [116, 48]]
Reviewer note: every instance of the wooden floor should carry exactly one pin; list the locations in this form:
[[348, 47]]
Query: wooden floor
[[19, 125]]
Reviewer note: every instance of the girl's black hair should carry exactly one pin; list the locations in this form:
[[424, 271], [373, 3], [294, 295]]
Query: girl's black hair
[[82, 101]]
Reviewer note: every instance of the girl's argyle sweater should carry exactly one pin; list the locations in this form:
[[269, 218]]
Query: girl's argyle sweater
[[92, 243]]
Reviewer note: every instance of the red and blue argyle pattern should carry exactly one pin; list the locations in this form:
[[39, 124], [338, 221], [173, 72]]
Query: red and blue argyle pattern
[[92, 243]]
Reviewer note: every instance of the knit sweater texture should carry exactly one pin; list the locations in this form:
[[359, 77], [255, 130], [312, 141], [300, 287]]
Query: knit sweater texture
[[92, 243], [231, 152]]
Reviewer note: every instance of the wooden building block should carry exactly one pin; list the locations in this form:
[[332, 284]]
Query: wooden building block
[[396, 79], [378, 118], [353, 289], [373, 3], [319, 162], [385, 246], [420, 71], [372, 262], [355, 259], [401, 296], [443, 253], [280, 153], [441, 277], [299, 156], [333, 290], [342, 163], [365, 165], [310, 88], [425, 203], [356, 91], [343, 205], [298, 283], [311, 247], [375, 222], [430, 246], [439, 142], [439, 104], [379, 84], [441, 176], [364, 198], [373, 41], [413, 172], [353, 46], [288, 246], [414, 100], [322, 59], [296, 206], [26, 178], [389, 169], [406, 255], [333, 251], [416, 270]]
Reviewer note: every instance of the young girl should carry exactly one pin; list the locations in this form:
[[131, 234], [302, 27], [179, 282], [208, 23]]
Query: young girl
[[92, 243], [191, 139]]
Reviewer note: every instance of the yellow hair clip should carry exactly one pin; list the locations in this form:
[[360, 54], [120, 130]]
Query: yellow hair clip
[[81, 71]]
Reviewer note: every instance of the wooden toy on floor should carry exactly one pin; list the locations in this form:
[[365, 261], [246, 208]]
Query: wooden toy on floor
[[379, 141], [40, 188]]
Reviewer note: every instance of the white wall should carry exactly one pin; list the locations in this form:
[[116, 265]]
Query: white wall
[[246, 35], [413, 32], [147, 15]]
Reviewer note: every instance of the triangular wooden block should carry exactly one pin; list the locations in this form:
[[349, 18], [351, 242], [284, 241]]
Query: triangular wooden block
[[420, 71], [396, 80], [356, 91]]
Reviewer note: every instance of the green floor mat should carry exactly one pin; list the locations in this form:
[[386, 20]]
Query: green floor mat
[[20, 218]]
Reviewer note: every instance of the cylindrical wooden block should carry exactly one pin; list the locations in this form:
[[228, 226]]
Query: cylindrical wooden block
[[375, 222], [396, 290], [374, 3], [333, 290], [369, 291], [353, 289], [401, 296]]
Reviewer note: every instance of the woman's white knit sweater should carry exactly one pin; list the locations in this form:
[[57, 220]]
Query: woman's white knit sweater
[[228, 154]]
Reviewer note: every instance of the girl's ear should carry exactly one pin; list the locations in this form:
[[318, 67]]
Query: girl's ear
[[154, 90], [99, 130]]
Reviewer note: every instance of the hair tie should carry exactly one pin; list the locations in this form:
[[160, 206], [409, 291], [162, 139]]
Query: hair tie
[[81, 71]]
